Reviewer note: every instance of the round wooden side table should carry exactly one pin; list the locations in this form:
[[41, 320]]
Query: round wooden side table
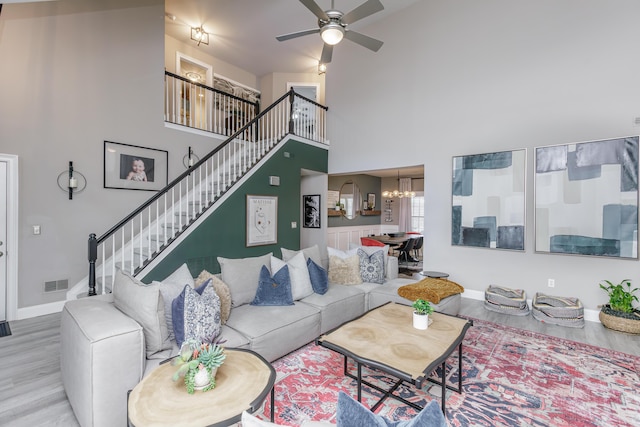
[[242, 383]]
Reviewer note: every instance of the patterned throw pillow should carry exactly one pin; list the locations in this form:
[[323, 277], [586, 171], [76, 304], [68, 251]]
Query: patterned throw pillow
[[371, 266], [344, 271], [274, 290], [196, 314], [222, 290]]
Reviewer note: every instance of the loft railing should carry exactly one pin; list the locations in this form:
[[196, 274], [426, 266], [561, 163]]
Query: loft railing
[[150, 229], [198, 106]]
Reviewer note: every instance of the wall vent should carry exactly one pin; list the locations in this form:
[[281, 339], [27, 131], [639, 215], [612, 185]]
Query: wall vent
[[636, 121], [56, 285]]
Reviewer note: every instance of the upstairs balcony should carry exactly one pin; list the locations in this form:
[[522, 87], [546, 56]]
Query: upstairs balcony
[[200, 107]]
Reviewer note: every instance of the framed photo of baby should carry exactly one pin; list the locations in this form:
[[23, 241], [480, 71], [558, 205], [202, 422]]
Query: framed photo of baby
[[132, 167]]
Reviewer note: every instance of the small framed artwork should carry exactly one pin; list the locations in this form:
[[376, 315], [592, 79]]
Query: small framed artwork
[[131, 167], [262, 220], [311, 204], [371, 201]]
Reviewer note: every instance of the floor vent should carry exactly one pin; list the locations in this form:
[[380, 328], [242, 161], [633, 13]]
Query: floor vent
[[56, 285]]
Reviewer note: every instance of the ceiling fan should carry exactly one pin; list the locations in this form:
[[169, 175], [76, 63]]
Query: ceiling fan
[[332, 26]]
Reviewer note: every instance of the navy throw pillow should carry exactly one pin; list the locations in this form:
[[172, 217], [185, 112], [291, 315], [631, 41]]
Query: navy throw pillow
[[196, 313], [319, 277], [352, 413], [274, 290]]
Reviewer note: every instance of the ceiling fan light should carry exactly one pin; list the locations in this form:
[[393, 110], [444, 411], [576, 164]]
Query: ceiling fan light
[[332, 33]]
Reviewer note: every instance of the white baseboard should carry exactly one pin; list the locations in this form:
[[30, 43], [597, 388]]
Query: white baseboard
[[589, 315], [39, 310]]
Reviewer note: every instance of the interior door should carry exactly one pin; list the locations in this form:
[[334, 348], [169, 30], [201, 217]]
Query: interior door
[[3, 239]]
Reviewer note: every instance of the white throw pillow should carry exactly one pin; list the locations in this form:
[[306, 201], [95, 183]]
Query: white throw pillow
[[241, 275], [298, 273], [143, 303], [312, 252]]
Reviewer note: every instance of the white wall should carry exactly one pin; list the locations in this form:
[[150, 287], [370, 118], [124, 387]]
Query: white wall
[[74, 74], [463, 77]]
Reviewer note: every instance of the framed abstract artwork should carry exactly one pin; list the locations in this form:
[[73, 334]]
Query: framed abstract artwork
[[132, 167], [262, 220], [586, 198], [488, 200], [311, 206]]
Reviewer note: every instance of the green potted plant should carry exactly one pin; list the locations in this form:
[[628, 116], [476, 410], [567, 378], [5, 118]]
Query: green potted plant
[[198, 363], [620, 314], [421, 311]]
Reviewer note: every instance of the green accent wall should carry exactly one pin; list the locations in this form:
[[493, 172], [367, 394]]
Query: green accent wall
[[223, 232], [367, 184]]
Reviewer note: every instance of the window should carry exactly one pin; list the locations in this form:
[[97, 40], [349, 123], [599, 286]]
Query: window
[[417, 212]]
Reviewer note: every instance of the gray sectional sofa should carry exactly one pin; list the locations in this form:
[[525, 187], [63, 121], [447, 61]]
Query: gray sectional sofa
[[105, 353]]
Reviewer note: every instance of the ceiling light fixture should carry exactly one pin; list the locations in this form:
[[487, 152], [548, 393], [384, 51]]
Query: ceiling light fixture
[[322, 68], [397, 193], [199, 35], [332, 33]]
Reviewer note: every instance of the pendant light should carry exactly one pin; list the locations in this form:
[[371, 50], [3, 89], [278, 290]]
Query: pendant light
[[397, 193]]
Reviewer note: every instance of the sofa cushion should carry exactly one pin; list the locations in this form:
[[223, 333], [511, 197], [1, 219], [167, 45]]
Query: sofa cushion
[[143, 303], [338, 305], [241, 274], [276, 331], [196, 314], [351, 413], [371, 266], [298, 273], [170, 288], [273, 290], [222, 290], [318, 276]]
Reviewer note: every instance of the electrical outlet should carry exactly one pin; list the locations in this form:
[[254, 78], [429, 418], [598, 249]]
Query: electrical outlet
[[294, 224], [36, 230], [551, 283]]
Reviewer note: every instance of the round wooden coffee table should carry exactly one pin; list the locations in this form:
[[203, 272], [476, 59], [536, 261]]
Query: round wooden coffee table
[[242, 383]]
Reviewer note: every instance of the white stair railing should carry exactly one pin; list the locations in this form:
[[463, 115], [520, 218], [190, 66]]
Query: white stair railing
[[136, 240]]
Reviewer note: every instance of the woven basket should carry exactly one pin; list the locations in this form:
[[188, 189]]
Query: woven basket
[[506, 301], [563, 311], [621, 324]]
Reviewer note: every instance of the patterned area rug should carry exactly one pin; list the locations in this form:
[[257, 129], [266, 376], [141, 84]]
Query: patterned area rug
[[511, 377]]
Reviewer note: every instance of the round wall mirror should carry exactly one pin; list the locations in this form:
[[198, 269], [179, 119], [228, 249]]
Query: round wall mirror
[[350, 199]]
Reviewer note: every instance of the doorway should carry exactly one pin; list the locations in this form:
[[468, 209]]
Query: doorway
[[8, 236]]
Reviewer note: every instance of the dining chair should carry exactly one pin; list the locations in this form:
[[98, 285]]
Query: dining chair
[[365, 241], [417, 247], [405, 250]]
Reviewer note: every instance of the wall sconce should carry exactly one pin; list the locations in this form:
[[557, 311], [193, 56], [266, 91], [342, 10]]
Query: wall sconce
[[71, 181], [199, 35], [322, 68], [190, 159]]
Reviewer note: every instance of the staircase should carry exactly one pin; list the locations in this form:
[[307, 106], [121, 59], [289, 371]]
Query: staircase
[[138, 242]]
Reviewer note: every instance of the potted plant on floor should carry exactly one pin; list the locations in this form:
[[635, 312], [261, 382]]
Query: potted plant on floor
[[620, 314], [422, 309]]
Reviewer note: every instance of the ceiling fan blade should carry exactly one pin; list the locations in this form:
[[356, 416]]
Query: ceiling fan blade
[[327, 53], [315, 9], [297, 34], [365, 9], [362, 40]]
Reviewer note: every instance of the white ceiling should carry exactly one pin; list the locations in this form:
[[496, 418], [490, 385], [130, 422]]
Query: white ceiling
[[243, 32]]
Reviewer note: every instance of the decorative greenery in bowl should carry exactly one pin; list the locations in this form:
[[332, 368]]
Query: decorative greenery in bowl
[[196, 357], [620, 299], [422, 306]]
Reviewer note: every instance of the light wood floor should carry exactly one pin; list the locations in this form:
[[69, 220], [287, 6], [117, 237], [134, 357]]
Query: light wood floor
[[31, 392]]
